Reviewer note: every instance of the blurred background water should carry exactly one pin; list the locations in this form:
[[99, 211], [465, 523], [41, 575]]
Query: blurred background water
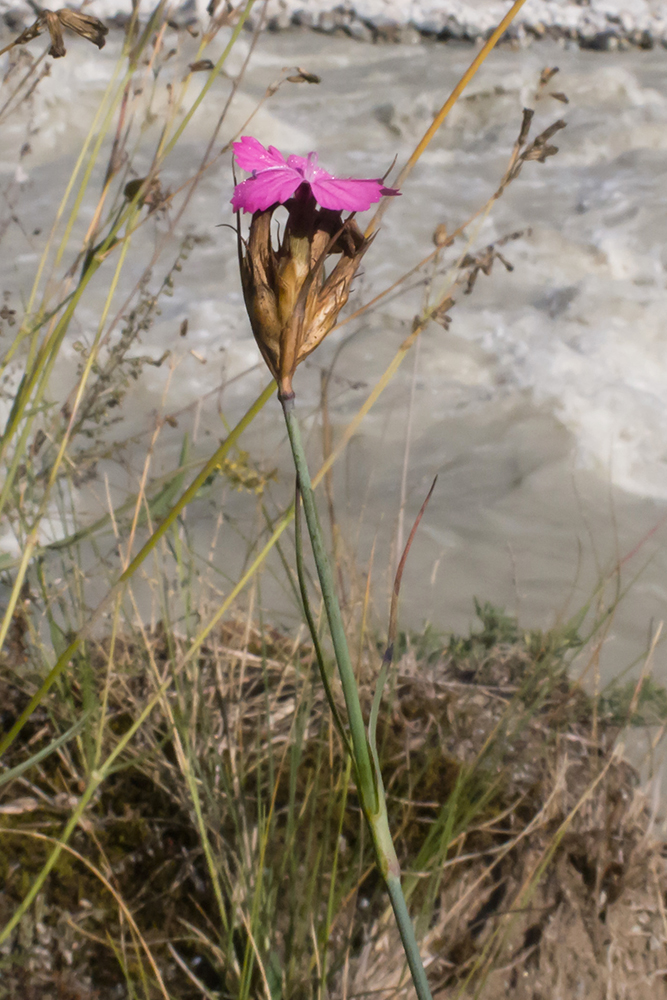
[[542, 408]]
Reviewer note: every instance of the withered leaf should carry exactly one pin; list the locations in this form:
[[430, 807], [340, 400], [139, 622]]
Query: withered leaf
[[88, 27], [526, 121], [303, 76], [152, 196], [540, 153], [441, 313], [201, 66], [547, 74], [55, 30], [560, 96], [440, 237], [548, 132]]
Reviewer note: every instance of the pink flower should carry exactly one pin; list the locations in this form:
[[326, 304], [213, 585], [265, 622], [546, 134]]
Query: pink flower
[[275, 180]]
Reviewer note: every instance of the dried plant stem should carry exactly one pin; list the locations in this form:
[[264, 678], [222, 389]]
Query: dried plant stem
[[64, 659], [96, 779], [488, 47], [369, 780]]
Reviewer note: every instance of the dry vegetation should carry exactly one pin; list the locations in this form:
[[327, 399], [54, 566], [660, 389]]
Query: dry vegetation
[[534, 870], [177, 817]]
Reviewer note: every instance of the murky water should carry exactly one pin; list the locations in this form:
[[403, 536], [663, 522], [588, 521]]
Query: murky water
[[542, 408]]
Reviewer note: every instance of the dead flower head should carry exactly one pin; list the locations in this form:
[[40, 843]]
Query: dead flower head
[[291, 301], [54, 21]]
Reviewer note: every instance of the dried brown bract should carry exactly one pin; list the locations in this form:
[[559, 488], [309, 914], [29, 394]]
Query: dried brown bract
[[292, 303], [55, 30], [441, 313], [88, 27], [539, 149], [303, 76], [546, 76], [201, 66], [484, 260], [440, 235], [152, 196]]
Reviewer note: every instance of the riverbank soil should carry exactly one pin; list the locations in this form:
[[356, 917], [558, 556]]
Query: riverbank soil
[[531, 855]]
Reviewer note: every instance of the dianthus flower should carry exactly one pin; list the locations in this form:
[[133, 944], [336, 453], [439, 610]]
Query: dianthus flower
[[275, 180], [292, 303]]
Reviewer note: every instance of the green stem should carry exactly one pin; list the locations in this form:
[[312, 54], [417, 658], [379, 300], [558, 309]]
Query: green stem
[[369, 779], [190, 493], [312, 627], [408, 938], [362, 755]]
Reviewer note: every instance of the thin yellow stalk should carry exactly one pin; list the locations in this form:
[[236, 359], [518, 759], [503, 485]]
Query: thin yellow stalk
[[120, 902], [107, 684], [287, 517], [61, 208], [95, 780], [186, 769], [211, 78], [32, 540], [479, 59], [189, 495], [88, 173], [52, 340]]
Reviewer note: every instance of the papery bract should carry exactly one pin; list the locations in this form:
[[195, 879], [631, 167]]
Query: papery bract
[[275, 180]]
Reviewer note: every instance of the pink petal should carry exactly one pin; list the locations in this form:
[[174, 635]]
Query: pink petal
[[302, 163], [347, 194], [251, 155], [268, 187]]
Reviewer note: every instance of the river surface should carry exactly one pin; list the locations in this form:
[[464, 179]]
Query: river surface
[[542, 408]]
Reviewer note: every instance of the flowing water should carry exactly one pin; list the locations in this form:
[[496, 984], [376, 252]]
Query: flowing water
[[542, 408]]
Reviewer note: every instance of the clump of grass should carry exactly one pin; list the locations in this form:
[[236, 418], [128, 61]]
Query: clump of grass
[[519, 831], [645, 705]]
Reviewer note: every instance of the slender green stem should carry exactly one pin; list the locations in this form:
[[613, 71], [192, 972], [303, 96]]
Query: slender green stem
[[312, 627], [95, 780], [408, 938], [190, 493], [369, 779], [362, 756]]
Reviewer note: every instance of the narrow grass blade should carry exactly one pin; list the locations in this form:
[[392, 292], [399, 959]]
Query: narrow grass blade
[[391, 637], [14, 772]]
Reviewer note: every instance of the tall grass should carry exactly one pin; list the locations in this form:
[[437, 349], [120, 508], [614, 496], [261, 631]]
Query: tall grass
[[179, 805]]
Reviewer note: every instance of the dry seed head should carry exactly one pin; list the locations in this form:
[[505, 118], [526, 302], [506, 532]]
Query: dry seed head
[[52, 22], [84, 25], [440, 235], [292, 304], [88, 27]]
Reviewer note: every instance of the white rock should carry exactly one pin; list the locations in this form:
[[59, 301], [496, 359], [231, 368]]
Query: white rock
[[468, 19]]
